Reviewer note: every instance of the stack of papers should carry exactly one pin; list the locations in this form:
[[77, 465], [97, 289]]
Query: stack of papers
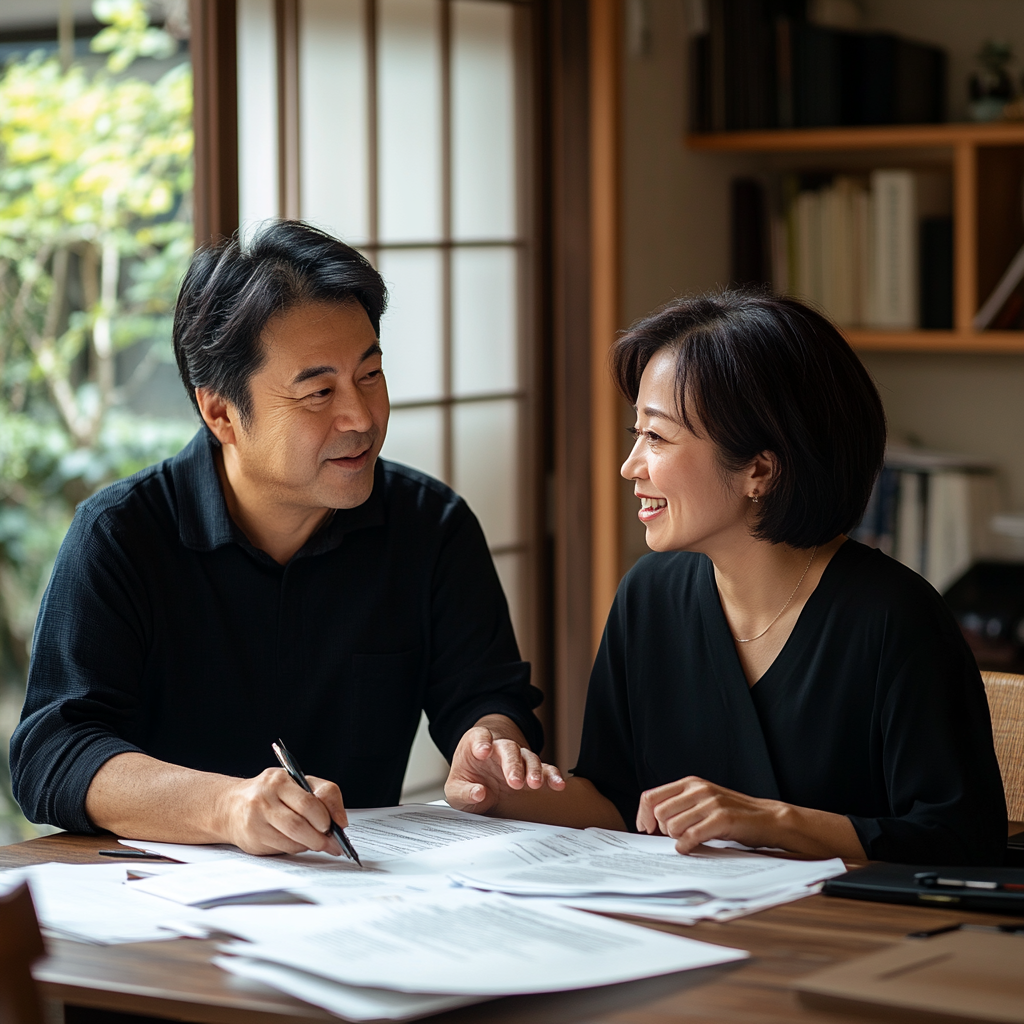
[[450, 908], [643, 876]]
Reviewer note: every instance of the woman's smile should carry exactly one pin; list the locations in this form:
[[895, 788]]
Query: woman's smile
[[650, 508]]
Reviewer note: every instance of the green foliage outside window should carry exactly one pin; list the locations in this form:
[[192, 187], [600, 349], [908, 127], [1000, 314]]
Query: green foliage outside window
[[95, 234]]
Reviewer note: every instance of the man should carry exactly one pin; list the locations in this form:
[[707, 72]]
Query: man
[[273, 579]]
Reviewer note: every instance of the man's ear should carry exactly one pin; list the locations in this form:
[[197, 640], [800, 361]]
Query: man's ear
[[218, 414]]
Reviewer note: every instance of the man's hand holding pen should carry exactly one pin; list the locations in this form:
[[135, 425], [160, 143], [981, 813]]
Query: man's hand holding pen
[[271, 814]]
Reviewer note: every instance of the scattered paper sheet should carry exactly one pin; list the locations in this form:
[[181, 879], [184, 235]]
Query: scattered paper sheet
[[598, 861], [92, 903], [194, 884], [688, 909], [461, 942], [348, 1001]]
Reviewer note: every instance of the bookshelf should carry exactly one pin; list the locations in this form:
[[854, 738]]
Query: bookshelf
[[985, 160]]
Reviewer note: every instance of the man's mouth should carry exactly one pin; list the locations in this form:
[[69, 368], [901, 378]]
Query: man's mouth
[[650, 508], [355, 461]]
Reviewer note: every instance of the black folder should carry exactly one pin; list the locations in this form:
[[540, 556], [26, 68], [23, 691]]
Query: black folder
[[903, 883]]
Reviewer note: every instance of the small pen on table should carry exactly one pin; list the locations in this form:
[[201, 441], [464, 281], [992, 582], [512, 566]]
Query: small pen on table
[[289, 764], [931, 880]]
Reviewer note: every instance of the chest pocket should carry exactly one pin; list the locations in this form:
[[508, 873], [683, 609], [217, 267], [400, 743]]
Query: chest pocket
[[383, 697]]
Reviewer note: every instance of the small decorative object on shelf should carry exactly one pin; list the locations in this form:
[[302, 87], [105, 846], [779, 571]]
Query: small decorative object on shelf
[[992, 92]]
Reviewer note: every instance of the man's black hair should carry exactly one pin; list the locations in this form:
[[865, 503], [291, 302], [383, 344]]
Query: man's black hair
[[764, 373], [231, 291]]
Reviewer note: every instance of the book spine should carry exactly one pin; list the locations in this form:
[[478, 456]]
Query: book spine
[[937, 273], [895, 245]]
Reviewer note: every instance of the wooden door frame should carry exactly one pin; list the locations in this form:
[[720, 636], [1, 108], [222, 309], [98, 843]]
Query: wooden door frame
[[583, 45], [213, 50]]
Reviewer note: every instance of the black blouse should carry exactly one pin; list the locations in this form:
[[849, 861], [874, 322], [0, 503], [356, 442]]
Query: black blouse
[[874, 708]]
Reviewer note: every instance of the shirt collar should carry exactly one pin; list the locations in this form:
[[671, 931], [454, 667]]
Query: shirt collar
[[203, 520]]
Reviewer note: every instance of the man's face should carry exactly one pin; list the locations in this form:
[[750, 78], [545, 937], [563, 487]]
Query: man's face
[[319, 409]]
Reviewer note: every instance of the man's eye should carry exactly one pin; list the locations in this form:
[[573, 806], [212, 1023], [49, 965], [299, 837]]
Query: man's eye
[[323, 393], [375, 375]]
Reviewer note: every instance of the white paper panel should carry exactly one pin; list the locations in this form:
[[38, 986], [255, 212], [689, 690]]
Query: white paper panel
[[332, 117], [483, 120], [257, 114], [411, 329], [485, 436], [415, 438], [510, 569], [409, 112], [484, 328], [427, 768]]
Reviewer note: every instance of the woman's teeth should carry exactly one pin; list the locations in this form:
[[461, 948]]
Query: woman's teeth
[[650, 503]]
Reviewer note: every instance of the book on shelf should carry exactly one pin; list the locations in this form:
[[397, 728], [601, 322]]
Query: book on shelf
[[931, 511], [871, 250], [1003, 308], [761, 64]]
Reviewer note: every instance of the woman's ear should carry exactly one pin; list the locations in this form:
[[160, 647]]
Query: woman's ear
[[762, 473], [218, 414]]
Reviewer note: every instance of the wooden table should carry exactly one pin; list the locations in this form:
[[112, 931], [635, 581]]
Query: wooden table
[[175, 979]]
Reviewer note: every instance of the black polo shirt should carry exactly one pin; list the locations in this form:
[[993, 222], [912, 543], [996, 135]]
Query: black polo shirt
[[163, 630]]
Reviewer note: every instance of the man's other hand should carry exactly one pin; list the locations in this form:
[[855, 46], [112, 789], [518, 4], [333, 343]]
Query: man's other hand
[[491, 759], [272, 814]]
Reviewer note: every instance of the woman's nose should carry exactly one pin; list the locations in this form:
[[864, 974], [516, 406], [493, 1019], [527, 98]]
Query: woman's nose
[[633, 468]]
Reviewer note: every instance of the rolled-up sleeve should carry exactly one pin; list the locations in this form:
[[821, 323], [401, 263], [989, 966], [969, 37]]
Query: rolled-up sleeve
[[82, 694]]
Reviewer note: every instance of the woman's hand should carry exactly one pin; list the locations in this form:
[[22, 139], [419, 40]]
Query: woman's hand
[[693, 810]]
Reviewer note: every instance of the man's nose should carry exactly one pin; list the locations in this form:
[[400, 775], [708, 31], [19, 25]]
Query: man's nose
[[351, 411]]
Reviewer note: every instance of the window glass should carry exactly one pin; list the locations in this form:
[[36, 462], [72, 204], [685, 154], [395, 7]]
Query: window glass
[[411, 329], [257, 113], [485, 465], [409, 120], [483, 120], [334, 162], [484, 325], [416, 438]]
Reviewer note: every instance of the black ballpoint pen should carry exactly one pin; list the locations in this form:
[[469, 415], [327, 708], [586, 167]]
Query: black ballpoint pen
[[289, 764]]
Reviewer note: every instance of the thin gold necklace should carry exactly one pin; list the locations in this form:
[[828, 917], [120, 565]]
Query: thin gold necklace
[[814, 551]]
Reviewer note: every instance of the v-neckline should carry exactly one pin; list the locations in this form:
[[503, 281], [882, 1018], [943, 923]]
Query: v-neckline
[[811, 612], [735, 691]]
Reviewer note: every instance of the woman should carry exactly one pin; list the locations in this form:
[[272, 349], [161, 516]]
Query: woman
[[762, 678]]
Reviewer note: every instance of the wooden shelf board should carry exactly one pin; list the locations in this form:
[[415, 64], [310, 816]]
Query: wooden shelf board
[[964, 342], [901, 136]]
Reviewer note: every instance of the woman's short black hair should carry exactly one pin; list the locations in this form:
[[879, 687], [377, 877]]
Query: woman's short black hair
[[765, 373], [232, 289]]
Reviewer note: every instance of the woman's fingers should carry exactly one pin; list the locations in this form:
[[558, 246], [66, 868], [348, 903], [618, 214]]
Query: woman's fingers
[[647, 818]]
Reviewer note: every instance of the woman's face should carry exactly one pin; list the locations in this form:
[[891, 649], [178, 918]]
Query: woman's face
[[687, 501]]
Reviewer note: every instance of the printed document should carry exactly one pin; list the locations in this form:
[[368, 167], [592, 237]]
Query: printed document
[[462, 942], [599, 861]]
